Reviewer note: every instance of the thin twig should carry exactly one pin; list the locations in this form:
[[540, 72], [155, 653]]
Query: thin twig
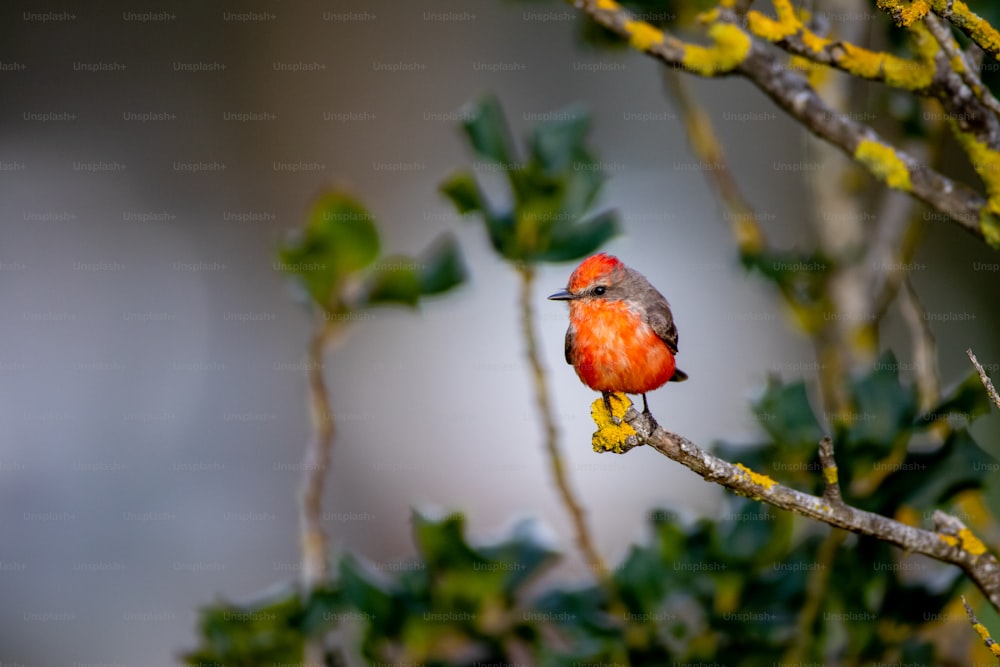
[[981, 630], [950, 542], [584, 540], [924, 346], [985, 378], [316, 463], [315, 467]]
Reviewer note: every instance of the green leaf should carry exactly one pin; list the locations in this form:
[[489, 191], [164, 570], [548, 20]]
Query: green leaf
[[339, 239], [395, 281], [967, 400], [366, 594], [569, 242], [463, 191], [520, 557], [883, 410], [442, 543], [555, 144], [440, 267], [785, 413], [926, 480], [488, 133]]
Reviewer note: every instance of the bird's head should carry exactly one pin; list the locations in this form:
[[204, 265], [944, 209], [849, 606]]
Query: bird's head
[[598, 277]]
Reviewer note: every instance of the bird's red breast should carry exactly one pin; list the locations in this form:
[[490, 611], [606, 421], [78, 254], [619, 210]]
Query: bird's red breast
[[614, 349]]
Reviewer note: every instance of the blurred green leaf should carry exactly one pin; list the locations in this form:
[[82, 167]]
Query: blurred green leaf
[[487, 131], [463, 191], [568, 242], [967, 400], [440, 267], [884, 409], [926, 480], [555, 144], [550, 194], [395, 281], [785, 413], [339, 239]]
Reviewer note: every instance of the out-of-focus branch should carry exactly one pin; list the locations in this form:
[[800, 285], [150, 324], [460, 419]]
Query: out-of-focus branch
[[985, 378], [581, 531], [316, 463], [950, 541], [744, 221], [924, 346], [315, 468]]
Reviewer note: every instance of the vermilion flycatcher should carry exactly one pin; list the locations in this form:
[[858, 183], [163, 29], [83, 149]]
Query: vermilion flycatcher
[[621, 334]]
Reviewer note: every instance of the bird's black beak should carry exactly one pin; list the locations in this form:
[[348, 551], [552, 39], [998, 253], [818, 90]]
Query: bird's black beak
[[562, 295]]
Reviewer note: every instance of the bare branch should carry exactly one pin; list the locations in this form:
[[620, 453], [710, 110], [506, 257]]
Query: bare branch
[[831, 490], [584, 540], [985, 378], [952, 543], [316, 463], [924, 346]]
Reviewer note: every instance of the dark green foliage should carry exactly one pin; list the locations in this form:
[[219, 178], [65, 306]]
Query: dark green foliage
[[340, 244], [552, 191]]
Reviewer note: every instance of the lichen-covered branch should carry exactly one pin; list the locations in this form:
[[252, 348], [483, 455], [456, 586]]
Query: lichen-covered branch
[[981, 630], [950, 541], [734, 52]]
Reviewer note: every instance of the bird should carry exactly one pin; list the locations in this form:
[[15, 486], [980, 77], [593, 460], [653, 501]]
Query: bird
[[621, 335]]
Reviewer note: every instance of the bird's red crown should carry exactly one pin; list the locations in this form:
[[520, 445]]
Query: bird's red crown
[[591, 269]]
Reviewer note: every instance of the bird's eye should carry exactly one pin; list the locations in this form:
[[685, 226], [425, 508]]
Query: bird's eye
[[600, 290]]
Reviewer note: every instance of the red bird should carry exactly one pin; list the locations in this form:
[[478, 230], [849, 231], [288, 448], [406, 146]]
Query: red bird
[[621, 334]]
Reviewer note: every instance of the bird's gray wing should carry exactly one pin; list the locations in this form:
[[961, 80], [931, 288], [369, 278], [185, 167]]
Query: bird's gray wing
[[569, 345]]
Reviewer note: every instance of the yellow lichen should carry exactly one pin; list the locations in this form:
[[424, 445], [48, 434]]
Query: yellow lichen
[[905, 15], [762, 481], [883, 161], [608, 5], [643, 36], [971, 543], [730, 48], [814, 41], [769, 29], [814, 72], [861, 62], [986, 162], [980, 30], [950, 540], [609, 436], [966, 540], [830, 475], [905, 73]]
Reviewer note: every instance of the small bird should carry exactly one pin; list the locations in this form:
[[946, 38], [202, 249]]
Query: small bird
[[621, 334]]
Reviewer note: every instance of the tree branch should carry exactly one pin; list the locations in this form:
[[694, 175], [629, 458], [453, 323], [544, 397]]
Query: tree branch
[[950, 542], [584, 540], [990, 389], [735, 53]]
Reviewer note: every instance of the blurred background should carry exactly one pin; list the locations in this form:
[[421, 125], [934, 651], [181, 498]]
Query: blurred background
[[152, 365]]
